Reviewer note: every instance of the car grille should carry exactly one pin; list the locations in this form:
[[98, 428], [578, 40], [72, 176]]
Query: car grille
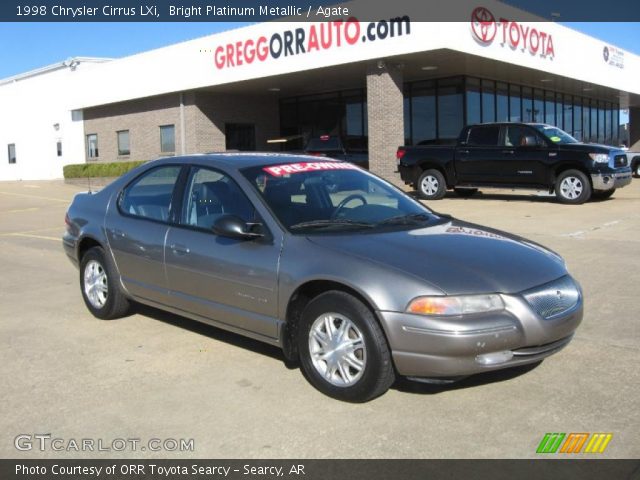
[[554, 298], [620, 161]]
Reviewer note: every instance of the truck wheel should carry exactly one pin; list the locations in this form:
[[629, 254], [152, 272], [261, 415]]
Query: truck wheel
[[431, 185], [99, 286], [465, 192], [573, 187], [635, 167], [343, 351], [602, 194]]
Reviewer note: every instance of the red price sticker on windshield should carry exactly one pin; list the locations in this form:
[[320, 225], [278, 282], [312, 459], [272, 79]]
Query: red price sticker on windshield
[[291, 168]]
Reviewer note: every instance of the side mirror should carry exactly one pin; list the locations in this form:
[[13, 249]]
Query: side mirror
[[233, 226]]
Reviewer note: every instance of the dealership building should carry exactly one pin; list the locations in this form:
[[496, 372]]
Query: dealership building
[[271, 86]]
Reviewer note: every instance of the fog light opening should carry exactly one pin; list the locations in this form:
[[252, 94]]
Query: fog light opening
[[494, 358]]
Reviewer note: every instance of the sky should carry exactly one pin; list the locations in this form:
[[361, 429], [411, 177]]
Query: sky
[[34, 45]]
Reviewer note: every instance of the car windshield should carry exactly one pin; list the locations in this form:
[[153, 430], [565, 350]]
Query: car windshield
[[555, 134], [323, 197]]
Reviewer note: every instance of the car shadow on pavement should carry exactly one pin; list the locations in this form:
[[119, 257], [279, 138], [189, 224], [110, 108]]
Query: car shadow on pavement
[[507, 197], [405, 385], [214, 333]]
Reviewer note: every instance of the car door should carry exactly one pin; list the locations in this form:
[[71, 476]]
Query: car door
[[526, 155], [479, 158], [136, 226], [233, 281]]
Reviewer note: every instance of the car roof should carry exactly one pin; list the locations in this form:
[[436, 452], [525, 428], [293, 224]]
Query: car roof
[[240, 160]]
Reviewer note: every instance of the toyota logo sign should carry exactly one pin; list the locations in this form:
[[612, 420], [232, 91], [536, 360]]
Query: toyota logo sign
[[483, 24]]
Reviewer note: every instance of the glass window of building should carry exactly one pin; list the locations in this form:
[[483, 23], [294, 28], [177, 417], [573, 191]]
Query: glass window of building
[[538, 105], [515, 110], [353, 121], [586, 120], [502, 102], [11, 152], [549, 108], [473, 101], [406, 109], [488, 101], [92, 145], [527, 104], [123, 142], [577, 118], [59, 148], [167, 138], [450, 108], [594, 122], [423, 113], [568, 115], [601, 123], [559, 108]]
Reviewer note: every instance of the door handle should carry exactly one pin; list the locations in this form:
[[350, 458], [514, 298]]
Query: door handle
[[510, 152], [179, 249]]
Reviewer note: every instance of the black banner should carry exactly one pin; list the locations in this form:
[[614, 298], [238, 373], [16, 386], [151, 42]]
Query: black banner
[[319, 469], [299, 10]]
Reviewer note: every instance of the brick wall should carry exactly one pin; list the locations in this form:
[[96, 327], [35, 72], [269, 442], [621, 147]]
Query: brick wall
[[385, 118], [142, 118], [215, 110], [205, 116]]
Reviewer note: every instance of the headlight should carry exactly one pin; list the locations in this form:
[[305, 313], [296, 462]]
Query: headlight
[[459, 305], [599, 157]]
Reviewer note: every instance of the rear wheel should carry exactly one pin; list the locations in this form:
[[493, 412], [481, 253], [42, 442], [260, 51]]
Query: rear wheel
[[343, 350], [431, 185], [573, 187], [602, 194], [99, 287], [465, 192]]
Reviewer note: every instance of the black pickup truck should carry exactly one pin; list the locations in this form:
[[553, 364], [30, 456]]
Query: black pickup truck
[[333, 146], [515, 155]]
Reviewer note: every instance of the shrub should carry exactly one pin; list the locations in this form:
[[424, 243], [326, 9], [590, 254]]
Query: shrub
[[84, 170]]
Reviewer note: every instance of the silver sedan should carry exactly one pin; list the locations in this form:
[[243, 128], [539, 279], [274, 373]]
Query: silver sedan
[[343, 271]]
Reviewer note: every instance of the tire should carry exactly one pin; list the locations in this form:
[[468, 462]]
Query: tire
[[431, 185], [359, 367], [602, 194], [465, 192], [573, 187], [635, 167], [104, 300]]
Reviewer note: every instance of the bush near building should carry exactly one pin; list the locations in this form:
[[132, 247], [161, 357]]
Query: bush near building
[[93, 170]]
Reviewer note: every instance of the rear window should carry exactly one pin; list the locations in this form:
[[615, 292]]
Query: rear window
[[484, 136]]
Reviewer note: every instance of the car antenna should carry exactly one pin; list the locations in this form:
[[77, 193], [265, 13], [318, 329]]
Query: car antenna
[[89, 183]]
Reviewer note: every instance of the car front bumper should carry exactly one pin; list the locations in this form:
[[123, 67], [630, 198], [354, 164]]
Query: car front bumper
[[431, 347], [608, 181]]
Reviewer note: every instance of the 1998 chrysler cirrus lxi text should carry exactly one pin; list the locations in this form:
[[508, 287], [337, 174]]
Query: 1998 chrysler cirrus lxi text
[[339, 268]]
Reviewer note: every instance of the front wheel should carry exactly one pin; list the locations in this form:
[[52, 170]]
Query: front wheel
[[602, 194], [99, 287], [431, 185], [573, 187], [635, 167], [343, 350]]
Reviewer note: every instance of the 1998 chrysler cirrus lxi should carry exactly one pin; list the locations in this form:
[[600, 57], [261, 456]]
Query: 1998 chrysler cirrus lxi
[[337, 267]]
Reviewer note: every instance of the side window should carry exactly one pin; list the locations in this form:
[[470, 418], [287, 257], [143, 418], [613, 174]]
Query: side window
[[484, 136], [211, 194], [150, 195], [519, 136]]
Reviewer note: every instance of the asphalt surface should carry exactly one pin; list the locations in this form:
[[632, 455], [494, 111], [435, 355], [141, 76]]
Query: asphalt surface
[[156, 375]]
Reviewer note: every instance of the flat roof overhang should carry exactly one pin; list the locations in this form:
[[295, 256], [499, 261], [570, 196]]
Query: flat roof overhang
[[422, 66]]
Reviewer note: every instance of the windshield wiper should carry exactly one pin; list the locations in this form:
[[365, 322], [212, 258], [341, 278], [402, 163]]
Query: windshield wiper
[[411, 219], [328, 223]]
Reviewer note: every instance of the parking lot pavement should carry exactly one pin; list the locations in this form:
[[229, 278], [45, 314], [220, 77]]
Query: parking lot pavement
[[155, 375]]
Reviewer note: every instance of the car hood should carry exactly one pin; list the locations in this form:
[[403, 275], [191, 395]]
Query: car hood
[[591, 148], [455, 256]]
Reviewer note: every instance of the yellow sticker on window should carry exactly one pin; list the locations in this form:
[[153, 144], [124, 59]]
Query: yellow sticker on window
[[555, 139]]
